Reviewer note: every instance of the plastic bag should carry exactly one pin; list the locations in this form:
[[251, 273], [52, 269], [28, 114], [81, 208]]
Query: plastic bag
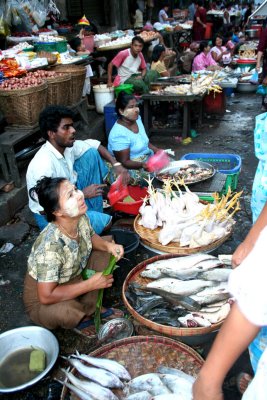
[[157, 161], [38, 13], [262, 90], [255, 78], [117, 191]]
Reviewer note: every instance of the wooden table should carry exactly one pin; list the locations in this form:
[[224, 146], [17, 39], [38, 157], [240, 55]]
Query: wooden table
[[187, 102]]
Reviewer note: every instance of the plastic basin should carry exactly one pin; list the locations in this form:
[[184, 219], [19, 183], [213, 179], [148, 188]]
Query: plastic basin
[[137, 193]]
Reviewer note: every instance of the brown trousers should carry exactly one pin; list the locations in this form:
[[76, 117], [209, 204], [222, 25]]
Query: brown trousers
[[66, 314]]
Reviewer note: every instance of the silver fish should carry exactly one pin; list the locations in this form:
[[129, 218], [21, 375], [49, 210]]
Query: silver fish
[[162, 369], [151, 272], [110, 365], [78, 392], [186, 262], [212, 294], [144, 395], [172, 396], [216, 316], [149, 382], [101, 376], [176, 286], [216, 274], [180, 272], [96, 391], [177, 385]]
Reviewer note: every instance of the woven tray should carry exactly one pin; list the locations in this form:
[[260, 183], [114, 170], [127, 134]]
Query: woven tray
[[114, 47], [134, 276], [150, 238], [143, 354]]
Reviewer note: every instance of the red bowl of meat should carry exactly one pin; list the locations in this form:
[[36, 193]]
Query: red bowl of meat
[[132, 203]]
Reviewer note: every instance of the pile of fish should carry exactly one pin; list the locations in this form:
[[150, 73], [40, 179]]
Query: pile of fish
[[186, 291], [166, 384], [190, 174], [184, 219], [103, 374]]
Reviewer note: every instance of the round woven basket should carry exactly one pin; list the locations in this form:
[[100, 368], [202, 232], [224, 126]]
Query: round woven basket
[[144, 354], [134, 276], [58, 90], [77, 74], [150, 238], [23, 106]]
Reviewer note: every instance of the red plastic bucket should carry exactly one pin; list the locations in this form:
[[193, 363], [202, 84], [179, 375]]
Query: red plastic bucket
[[137, 193]]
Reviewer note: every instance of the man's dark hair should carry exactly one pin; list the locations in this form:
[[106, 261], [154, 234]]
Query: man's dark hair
[[50, 118], [138, 39]]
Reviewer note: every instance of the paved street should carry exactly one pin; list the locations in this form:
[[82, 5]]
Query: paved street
[[230, 133]]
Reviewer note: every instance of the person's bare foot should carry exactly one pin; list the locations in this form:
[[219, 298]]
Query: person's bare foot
[[242, 381]]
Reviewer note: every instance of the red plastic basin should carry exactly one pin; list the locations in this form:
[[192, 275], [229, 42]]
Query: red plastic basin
[[137, 193]]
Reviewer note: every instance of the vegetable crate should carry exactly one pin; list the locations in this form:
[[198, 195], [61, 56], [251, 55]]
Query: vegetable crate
[[229, 164]]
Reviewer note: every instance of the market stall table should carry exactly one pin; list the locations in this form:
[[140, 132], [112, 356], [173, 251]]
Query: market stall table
[[187, 101]]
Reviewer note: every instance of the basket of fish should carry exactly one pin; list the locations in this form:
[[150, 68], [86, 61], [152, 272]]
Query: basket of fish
[[179, 296], [189, 171], [178, 222], [141, 367]]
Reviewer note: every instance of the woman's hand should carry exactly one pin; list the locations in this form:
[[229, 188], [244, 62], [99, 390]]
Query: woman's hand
[[116, 250], [120, 170], [204, 390], [100, 281], [93, 190]]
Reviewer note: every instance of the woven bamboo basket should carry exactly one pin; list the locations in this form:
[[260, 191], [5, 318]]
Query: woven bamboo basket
[[144, 354], [134, 276], [150, 238], [78, 74], [58, 89], [23, 106]]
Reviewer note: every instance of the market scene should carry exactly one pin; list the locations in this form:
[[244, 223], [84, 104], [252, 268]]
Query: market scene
[[133, 200]]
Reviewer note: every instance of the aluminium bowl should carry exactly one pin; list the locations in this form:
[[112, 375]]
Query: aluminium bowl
[[29, 336]]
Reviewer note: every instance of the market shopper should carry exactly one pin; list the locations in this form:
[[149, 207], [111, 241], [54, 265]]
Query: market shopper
[[203, 59], [128, 141], [131, 68], [247, 316], [55, 295], [163, 16], [199, 23], [77, 160], [158, 55]]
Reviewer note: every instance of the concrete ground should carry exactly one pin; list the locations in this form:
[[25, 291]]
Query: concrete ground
[[230, 133]]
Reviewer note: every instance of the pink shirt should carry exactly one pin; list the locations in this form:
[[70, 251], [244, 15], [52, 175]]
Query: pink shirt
[[202, 61], [127, 65]]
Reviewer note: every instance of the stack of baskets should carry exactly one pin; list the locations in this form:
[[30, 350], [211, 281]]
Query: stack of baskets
[[23, 106], [77, 76]]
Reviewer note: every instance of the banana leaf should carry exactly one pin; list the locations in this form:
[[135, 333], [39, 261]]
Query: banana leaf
[[107, 271]]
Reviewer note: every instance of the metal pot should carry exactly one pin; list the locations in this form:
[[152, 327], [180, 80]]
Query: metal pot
[[253, 33], [246, 87]]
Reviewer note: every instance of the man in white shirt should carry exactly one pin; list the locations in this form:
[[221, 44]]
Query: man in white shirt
[[77, 160]]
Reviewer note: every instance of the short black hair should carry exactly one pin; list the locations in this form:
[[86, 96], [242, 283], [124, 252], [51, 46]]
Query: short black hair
[[47, 191], [200, 3], [138, 39], [50, 118], [122, 101], [215, 37], [157, 51], [203, 46], [75, 43]]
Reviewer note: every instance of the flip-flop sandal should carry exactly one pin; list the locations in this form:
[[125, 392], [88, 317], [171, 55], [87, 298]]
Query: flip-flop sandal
[[85, 324], [86, 328], [111, 313], [243, 379]]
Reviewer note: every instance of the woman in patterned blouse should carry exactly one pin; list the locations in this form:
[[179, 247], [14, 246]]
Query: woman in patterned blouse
[[55, 295]]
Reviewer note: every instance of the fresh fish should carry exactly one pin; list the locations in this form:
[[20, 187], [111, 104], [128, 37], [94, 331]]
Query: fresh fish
[[175, 299], [78, 392], [178, 385], [186, 273], [151, 272], [144, 395], [216, 316], [149, 382], [176, 286], [149, 305], [172, 396], [96, 391], [100, 376], [167, 321], [216, 274], [194, 320], [182, 262], [110, 365], [162, 369], [212, 294]]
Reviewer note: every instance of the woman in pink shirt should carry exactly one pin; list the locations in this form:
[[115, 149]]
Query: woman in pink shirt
[[203, 60]]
